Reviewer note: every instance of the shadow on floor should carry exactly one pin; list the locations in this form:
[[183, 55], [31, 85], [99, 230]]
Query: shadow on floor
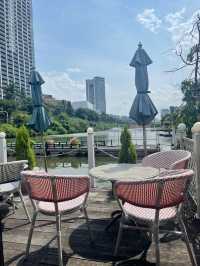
[[133, 242], [43, 256]]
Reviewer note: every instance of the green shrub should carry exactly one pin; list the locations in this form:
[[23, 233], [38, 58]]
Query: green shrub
[[127, 152], [77, 125], [56, 128], [9, 129], [24, 150], [20, 118]]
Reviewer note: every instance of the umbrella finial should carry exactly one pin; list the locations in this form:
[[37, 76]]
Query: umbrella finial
[[139, 45]]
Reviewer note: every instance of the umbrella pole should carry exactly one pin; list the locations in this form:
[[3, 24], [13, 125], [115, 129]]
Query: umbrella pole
[[44, 150], [144, 140]]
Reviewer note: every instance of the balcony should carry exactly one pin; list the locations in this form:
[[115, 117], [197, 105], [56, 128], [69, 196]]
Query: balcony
[[76, 247]]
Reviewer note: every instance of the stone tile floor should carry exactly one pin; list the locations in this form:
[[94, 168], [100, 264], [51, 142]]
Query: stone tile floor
[[77, 249]]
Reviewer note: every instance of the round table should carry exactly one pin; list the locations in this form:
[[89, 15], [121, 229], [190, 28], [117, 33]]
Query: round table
[[122, 172]]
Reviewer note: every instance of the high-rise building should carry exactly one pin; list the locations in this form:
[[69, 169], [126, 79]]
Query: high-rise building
[[16, 44], [95, 93]]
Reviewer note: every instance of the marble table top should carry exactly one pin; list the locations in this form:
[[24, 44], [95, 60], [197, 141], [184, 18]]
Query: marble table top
[[123, 172]]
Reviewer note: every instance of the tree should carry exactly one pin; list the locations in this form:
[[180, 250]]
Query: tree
[[172, 119], [24, 149], [9, 129], [190, 87], [9, 106], [25, 104], [191, 58], [56, 128], [69, 108], [88, 114], [191, 108], [127, 153], [63, 118], [20, 118], [11, 92]]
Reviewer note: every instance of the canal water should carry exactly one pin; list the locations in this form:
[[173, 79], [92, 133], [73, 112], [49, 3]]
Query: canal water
[[65, 165]]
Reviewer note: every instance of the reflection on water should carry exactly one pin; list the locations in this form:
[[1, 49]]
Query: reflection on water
[[65, 165]]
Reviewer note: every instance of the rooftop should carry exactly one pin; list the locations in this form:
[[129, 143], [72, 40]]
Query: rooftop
[[76, 246]]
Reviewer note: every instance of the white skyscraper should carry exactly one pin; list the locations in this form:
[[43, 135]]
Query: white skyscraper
[[16, 44], [95, 93]]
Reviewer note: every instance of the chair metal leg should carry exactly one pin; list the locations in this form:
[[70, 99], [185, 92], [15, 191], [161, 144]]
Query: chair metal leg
[[119, 236], [149, 239], [88, 225], [116, 215], [187, 242], [24, 205], [11, 201], [31, 232], [156, 240], [58, 228]]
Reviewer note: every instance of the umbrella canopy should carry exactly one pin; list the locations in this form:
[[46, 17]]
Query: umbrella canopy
[[143, 110], [40, 120]]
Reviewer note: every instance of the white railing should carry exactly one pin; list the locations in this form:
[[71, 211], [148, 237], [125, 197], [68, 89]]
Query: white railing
[[192, 145]]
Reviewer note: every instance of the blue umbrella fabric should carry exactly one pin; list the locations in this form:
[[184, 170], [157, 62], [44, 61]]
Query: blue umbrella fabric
[[40, 120], [143, 110]]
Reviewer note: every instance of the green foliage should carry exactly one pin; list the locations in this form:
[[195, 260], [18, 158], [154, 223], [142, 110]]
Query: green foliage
[[69, 109], [186, 87], [191, 109], [60, 106], [77, 125], [10, 92], [9, 129], [127, 153], [24, 150], [172, 119], [188, 112], [25, 104], [10, 106], [65, 119], [84, 113], [20, 118], [56, 128]]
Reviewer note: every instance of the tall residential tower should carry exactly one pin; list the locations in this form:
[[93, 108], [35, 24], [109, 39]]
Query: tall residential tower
[[95, 93], [16, 44]]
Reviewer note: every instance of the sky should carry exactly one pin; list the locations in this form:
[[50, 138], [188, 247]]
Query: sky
[[76, 40]]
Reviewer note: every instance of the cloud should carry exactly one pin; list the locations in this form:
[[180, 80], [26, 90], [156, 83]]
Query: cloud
[[174, 20], [149, 20], [74, 70], [169, 94], [175, 23], [180, 28], [62, 86]]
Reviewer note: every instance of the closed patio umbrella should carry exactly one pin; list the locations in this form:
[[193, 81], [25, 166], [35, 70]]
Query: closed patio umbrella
[[143, 110], [40, 120]]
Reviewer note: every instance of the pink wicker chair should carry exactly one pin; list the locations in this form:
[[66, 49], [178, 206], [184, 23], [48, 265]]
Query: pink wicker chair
[[153, 202], [173, 159], [56, 195]]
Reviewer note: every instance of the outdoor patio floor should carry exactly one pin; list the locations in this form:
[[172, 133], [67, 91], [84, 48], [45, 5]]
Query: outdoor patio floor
[[76, 246]]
